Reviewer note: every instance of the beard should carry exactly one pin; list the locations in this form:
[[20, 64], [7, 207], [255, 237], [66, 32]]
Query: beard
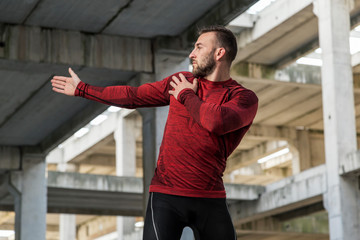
[[206, 67]]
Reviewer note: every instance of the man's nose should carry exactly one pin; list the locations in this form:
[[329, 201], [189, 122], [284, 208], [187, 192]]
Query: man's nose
[[192, 55]]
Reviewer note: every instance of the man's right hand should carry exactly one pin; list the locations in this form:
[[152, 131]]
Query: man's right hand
[[65, 85]]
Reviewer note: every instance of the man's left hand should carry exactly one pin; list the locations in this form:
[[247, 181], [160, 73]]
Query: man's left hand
[[182, 83]]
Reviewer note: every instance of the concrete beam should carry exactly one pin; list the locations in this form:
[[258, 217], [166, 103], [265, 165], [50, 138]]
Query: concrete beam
[[273, 23], [94, 182], [262, 132], [291, 193], [67, 129], [234, 192], [247, 157], [350, 165], [245, 79], [10, 158], [112, 195], [221, 14], [40, 45], [99, 160], [280, 23], [94, 194], [75, 146], [89, 113], [276, 235]]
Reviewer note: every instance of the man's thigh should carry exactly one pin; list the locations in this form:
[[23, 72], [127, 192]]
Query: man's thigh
[[162, 222], [215, 222]]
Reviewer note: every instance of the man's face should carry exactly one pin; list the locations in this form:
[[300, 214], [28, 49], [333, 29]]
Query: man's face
[[202, 57]]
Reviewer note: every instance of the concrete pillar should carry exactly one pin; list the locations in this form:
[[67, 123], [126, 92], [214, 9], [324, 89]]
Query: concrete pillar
[[167, 64], [29, 190], [67, 227], [67, 223], [125, 137], [342, 197], [149, 148], [304, 148], [154, 119]]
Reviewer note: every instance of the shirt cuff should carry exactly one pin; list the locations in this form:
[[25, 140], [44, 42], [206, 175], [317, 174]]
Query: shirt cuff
[[80, 89], [183, 94]]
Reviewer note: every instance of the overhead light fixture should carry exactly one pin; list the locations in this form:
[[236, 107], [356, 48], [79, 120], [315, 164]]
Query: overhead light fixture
[[139, 224], [318, 50], [274, 155], [113, 109], [6, 233], [99, 119], [259, 6], [81, 132], [309, 61], [110, 236]]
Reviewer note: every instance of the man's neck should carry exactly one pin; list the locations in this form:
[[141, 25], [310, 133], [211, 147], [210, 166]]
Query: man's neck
[[219, 75]]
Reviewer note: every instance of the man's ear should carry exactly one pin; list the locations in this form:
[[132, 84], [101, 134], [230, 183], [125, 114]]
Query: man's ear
[[220, 54]]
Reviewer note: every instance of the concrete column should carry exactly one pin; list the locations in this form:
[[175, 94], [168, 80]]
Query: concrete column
[[125, 138], [154, 119], [67, 227], [167, 64], [342, 197], [29, 189], [67, 224], [149, 148], [304, 148]]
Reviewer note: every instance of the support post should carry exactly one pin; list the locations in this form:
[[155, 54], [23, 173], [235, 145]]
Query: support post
[[29, 190], [125, 137], [342, 197]]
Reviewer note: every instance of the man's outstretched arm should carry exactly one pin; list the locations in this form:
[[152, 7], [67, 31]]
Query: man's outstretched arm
[[66, 85], [147, 95]]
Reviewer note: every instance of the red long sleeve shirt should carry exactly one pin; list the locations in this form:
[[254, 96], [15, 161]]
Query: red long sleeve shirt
[[201, 131]]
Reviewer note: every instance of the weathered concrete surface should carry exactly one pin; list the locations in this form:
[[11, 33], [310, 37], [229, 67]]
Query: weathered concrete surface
[[350, 165], [101, 194], [9, 158], [55, 46], [288, 194]]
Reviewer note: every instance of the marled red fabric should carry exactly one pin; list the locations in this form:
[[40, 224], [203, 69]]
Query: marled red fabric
[[201, 131]]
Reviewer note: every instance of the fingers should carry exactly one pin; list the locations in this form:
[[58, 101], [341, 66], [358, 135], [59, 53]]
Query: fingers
[[60, 78], [58, 90], [176, 80], [72, 73], [174, 85], [58, 85], [182, 77]]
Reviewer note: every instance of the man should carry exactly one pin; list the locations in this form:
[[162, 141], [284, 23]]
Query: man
[[208, 116]]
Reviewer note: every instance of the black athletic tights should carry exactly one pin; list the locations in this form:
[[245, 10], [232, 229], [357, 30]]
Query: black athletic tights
[[167, 215]]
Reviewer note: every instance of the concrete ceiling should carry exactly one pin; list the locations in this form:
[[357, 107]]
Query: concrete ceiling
[[138, 18], [41, 38]]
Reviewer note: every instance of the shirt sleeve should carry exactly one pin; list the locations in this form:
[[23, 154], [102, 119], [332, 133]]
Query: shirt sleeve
[[147, 95], [237, 113]]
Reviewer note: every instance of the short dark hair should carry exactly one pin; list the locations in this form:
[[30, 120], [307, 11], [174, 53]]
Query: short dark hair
[[225, 38]]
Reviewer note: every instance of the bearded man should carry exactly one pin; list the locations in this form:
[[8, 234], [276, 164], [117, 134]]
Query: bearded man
[[208, 116]]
